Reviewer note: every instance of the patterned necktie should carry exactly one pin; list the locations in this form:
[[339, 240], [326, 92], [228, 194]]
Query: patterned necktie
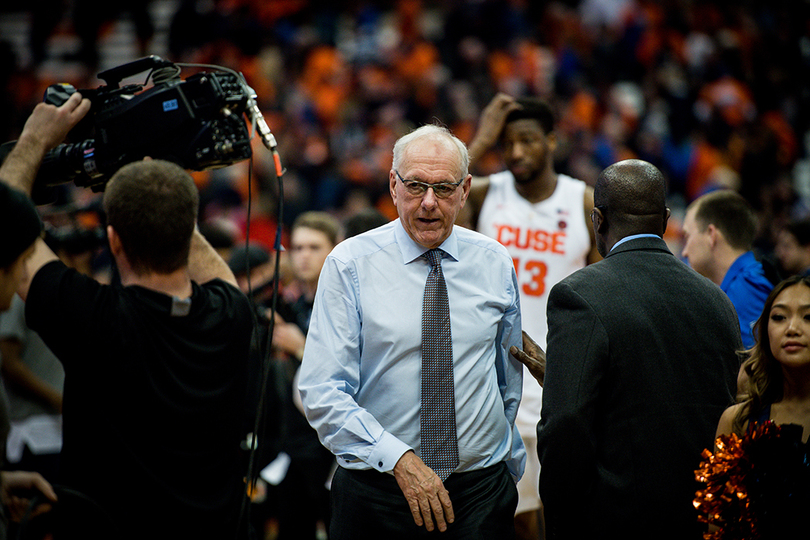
[[439, 448]]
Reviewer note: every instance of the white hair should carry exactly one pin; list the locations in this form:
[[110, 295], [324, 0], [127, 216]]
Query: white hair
[[435, 132]]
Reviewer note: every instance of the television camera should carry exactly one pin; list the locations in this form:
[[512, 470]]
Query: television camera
[[198, 123]]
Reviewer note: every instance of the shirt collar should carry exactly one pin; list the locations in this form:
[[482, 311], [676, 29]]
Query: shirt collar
[[633, 237], [411, 250], [736, 267]]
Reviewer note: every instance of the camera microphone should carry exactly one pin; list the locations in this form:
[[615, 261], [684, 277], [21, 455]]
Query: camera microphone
[[257, 118]]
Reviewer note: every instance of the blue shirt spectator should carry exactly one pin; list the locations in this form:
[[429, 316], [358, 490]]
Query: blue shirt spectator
[[747, 287], [719, 230]]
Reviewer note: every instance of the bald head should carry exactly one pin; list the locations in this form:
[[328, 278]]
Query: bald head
[[631, 198]]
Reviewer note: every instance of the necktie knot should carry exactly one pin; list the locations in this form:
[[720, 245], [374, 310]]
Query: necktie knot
[[434, 257]]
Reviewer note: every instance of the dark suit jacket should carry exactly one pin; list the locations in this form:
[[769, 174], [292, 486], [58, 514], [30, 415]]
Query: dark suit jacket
[[642, 361]]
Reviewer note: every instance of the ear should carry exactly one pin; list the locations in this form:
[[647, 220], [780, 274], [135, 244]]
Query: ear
[[116, 247], [115, 241], [599, 222], [551, 140], [392, 185], [465, 189], [667, 215], [714, 235]]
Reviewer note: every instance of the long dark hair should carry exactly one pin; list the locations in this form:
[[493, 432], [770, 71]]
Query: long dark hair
[[765, 379]]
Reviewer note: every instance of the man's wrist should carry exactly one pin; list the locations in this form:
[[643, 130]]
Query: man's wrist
[[477, 148], [20, 167], [480, 145], [387, 453]]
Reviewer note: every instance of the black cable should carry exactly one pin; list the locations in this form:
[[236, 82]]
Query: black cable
[[264, 348]]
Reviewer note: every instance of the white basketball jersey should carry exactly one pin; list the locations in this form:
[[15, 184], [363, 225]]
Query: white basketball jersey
[[547, 241]]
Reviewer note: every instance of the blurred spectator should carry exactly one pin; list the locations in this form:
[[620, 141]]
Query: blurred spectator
[[719, 231], [363, 221], [33, 376], [304, 498], [254, 268], [33, 379], [90, 16], [793, 248], [219, 236]]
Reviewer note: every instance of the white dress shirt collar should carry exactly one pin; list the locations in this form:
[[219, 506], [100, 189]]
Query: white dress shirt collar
[[411, 250]]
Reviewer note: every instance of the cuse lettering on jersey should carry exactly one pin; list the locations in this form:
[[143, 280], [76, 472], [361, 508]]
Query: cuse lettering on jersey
[[531, 272]]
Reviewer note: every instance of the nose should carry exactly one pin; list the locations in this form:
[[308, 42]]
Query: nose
[[516, 151], [429, 199], [793, 325]]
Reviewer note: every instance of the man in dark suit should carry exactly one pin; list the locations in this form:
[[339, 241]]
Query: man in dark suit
[[641, 360]]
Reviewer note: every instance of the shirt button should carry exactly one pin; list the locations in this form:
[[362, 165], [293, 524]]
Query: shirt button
[[380, 464]]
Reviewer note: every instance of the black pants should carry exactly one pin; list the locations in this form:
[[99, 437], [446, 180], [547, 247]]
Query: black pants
[[370, 505]]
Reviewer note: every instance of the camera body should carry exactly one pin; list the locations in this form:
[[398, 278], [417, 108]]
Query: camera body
[[197, 123]]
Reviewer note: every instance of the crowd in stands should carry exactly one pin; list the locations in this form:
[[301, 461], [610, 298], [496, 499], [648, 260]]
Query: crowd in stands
[[713, 93]]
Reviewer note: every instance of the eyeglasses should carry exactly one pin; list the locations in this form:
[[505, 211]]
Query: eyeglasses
[[442, 190]]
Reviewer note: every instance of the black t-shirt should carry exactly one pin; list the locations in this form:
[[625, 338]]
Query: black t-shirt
[[152, 401]]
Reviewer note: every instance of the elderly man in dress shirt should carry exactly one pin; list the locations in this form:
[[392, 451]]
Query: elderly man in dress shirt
[[362, 380]]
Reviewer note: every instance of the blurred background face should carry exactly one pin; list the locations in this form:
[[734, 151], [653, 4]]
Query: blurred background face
[[792, 256], [308, 251], [789, 327], [696, 246], [526, 149]]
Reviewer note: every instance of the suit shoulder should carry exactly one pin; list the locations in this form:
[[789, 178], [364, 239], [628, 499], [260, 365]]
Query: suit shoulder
[[598, 270]]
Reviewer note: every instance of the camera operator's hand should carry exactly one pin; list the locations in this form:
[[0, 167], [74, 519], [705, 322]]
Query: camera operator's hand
[[18, 487], [47, 126], [44, 129]]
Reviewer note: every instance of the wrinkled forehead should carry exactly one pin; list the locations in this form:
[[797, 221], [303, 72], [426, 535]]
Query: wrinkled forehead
[[432, 153]]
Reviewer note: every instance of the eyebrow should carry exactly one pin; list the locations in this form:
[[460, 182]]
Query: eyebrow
[[785, 306]]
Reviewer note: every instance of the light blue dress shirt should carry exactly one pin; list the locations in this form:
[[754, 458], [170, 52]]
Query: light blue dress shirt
[[360, 375], [633, 237]]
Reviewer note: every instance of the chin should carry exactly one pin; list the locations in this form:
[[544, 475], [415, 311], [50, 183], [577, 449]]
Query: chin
[[524, 178], [431, 238]]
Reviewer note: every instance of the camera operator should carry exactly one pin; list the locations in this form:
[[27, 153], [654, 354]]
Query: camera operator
[[155, 368]]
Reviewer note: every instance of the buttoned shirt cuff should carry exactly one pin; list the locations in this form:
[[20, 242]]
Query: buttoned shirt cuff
[[387, 452]]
